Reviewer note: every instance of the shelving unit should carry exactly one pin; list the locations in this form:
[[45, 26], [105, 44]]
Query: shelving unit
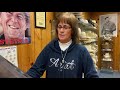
[[107, 53], [89, 38]]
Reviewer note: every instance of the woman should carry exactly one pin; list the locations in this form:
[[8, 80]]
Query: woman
[[64, 57]]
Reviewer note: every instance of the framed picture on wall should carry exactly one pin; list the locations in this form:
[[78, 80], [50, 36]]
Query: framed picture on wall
[[14, 28], [108, 25], [40, 19]]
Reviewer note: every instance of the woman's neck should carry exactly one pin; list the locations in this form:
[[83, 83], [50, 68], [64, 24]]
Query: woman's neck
[[64, 46]]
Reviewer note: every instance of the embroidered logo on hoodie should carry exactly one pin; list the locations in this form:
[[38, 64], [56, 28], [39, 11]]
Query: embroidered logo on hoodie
[[66, 65]]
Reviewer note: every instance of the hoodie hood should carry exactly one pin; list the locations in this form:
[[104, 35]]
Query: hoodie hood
[[54, 45]]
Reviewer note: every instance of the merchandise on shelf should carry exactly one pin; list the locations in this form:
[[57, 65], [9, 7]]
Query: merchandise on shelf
[[106, 52], [89, 37]]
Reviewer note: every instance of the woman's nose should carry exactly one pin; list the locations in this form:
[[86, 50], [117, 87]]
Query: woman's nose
[[62, 29]]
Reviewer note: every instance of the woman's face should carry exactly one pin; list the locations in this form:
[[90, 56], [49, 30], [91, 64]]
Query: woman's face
[[64, 32]]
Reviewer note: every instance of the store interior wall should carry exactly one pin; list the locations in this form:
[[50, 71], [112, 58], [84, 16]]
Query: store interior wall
[[27, 53]]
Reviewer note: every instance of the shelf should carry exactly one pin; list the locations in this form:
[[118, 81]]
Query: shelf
[[84, 43], [109, 50], [89, 36], [109, 39], [107, 47], [107, 65], [86, 26], [108, 60], [106, 70], [88, 40], [105, 40]]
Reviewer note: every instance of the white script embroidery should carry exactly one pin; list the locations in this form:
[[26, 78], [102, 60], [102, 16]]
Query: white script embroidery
[[67, 65]]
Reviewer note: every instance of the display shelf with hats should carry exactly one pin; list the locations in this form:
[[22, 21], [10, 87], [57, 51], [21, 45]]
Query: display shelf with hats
[[89, 37], [88, 24]]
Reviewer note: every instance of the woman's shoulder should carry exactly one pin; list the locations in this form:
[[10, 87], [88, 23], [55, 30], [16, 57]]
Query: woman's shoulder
[[81, 47], [51, 44]]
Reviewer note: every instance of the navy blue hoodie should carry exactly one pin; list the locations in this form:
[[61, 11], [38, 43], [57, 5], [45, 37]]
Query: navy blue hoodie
[[77, 61]]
